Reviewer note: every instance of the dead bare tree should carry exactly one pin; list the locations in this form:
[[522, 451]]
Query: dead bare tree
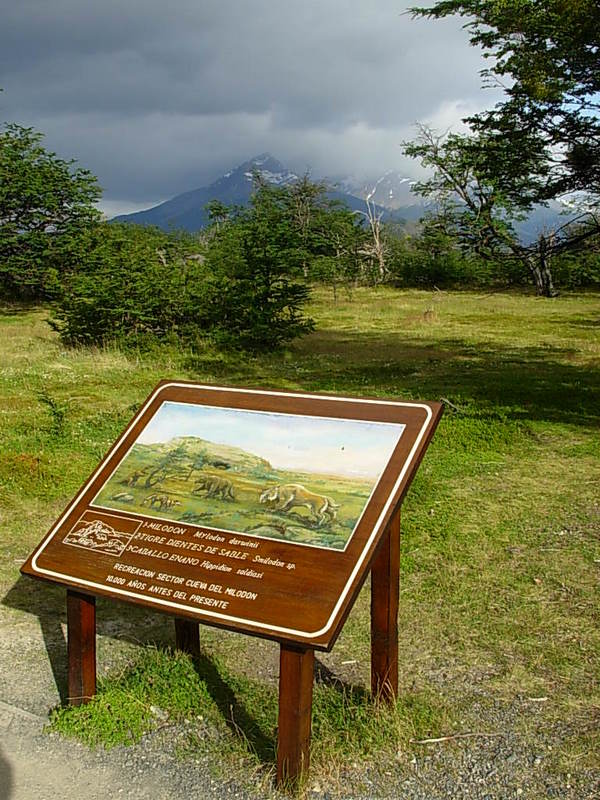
[[376, 250]]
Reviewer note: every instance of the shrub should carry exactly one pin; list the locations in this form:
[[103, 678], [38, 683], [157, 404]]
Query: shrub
[[136, 284], [427, 261], [254, 290], [578, 269], [130, 284]]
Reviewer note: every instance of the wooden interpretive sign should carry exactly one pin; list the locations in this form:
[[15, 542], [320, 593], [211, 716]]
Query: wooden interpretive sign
[[257, 511]]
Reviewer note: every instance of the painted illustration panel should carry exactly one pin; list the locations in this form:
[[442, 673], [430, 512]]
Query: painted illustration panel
[[305, 480]]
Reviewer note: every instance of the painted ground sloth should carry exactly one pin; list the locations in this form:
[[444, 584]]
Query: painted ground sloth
[[288, 495], [215, 486], [161, 500]]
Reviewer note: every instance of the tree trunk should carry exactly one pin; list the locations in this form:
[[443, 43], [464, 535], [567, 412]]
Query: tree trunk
[[547, 286], [542, 278]]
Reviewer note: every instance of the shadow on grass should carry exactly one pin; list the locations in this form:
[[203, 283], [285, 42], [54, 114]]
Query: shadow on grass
[[325, 676], [235, 714], [584, 323], [43, 601], [526, 383], [14, 309], [240, 719], [126, 623], [114, 619]]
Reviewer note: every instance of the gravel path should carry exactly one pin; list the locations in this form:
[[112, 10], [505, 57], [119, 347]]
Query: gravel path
[[515, 762], [43, 766], [34, 764]]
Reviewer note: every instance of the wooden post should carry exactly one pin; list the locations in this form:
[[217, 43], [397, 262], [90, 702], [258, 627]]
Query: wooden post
[[385, 584], [187, 637], [81, 647], [296, 667]]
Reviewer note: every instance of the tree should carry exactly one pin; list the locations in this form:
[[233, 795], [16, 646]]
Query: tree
[[46, 204], [305, 201], [260, 257], [196, 463], [471, 207], [376, 248], [340, 260], [322, 227], [542, 141], [549, 53], [254, 291], [170, 463]]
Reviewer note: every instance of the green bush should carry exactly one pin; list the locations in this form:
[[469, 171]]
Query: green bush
[[254, 287], [138, 285], [578, 269], [427, 260], [132, 285]]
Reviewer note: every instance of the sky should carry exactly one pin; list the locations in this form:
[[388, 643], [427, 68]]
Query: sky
[[312, 444], [160, 98]]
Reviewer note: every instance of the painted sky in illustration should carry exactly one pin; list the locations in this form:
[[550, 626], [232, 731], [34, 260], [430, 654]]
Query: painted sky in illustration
[[313, 444]]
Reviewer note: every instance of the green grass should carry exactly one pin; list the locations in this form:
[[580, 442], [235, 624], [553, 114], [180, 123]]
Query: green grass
[[163, 688], [501, 550]]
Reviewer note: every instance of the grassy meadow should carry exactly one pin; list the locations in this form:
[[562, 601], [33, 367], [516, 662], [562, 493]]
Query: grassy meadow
[[500, 564]]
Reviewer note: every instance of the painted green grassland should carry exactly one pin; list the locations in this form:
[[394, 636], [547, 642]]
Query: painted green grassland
[[189, 460], [500, 567]]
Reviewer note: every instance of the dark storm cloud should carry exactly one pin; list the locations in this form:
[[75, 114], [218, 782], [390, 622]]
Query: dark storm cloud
[[157, 98]]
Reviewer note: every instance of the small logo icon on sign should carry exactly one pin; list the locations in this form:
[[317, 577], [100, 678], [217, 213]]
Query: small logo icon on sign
[[98, 536]]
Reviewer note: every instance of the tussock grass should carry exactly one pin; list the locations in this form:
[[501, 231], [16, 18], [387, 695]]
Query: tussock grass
[[501, 550]]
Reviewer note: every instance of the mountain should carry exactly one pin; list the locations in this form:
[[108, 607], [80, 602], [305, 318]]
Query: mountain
[[543, 219], [394, 191], [187, 211], [391, 193]]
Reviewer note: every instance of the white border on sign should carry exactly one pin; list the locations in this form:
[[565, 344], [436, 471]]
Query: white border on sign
[[261, 626]]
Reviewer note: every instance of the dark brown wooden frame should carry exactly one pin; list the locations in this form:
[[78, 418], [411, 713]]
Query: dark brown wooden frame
[[379, 554]]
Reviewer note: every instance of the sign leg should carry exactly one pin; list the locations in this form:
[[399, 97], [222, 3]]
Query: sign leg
[[187, 637], [385, 581], [81, 646], [296, 668]]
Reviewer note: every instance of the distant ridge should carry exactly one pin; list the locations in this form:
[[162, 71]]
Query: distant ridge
[[391, 192], [187, 211]]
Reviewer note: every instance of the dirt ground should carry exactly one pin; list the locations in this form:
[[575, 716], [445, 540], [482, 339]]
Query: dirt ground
[[37, 765], [34, 765]]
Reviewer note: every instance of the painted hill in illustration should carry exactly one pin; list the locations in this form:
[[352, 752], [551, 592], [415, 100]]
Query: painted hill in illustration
[[192, 480], [183, 452]]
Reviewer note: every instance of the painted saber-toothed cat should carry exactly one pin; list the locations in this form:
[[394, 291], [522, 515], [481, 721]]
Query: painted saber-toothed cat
[[288, 495]]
